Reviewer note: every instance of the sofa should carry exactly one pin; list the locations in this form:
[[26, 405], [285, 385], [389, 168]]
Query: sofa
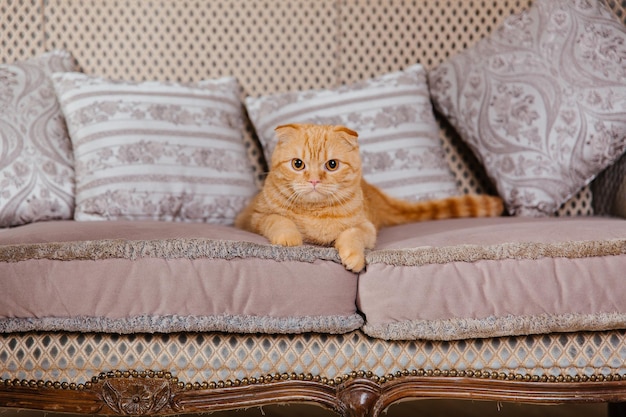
[[132, 132]]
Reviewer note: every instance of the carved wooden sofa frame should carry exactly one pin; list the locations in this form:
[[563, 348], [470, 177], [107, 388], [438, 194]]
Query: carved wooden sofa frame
[[357, 394]]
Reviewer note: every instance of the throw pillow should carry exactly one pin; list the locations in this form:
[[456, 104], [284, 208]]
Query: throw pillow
[[398, 135], [156, 151], [36, 167], [541, 101]]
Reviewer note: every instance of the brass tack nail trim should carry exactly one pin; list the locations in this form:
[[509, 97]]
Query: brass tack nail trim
[[338, 380]]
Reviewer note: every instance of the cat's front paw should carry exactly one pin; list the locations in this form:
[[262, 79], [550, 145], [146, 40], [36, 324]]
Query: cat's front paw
[[287, 238], [353, 260]]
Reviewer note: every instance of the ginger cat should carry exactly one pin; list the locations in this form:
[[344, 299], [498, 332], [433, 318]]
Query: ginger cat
[[315, 193]]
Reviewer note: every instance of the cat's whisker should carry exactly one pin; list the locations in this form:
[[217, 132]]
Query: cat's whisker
[[291, 200], [341, 197]]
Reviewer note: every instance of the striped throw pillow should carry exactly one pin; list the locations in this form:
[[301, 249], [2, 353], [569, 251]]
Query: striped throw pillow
[[156, 151], [398, 134]]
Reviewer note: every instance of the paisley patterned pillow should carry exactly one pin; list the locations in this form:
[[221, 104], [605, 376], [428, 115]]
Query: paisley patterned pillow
[[156, 151], [36, 166], [398, 134], [541, 101]]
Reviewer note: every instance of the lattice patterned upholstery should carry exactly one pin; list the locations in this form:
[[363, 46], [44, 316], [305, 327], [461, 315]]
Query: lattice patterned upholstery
[[388, 36], [266, 45], [199, 358], [21, 29]]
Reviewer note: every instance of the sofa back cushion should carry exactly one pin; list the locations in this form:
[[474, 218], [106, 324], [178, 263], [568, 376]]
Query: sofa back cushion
[[156, 150], [541, 101], [393, 116]]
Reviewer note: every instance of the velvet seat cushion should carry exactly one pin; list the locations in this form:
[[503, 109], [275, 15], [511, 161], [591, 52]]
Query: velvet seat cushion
[[128, 277], [467, 278]]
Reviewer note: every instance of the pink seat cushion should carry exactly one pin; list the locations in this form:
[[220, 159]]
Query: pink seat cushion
[[153, 276], [456, 279]]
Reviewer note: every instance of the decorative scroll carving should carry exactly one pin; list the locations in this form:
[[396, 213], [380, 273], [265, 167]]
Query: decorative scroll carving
[[136, 397], [358, 398]]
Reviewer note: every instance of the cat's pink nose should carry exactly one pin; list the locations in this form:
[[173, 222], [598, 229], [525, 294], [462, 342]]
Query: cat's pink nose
[[314, 182]]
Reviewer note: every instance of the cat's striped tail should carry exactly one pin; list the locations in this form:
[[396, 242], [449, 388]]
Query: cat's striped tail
[[470, 205]]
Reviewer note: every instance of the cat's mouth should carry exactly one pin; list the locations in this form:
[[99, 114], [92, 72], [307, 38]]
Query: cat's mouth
[[313, 193]]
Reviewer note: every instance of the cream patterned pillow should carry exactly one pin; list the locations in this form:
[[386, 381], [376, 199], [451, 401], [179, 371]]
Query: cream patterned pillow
[[36, 167], [541, 101], [398, 134], [156, 151]]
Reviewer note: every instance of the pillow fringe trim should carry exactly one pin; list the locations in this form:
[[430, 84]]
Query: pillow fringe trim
[[185, 248], [519, 250], [182, 248]]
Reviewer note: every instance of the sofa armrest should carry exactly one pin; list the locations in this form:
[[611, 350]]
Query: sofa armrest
[[621, 200], [609, 190]]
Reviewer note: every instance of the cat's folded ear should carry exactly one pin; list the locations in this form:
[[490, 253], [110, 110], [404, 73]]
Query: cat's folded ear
[[347, 134], [347, 131], [283, 128], [284, 132]]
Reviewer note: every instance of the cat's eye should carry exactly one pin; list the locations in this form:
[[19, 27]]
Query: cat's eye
[[297, 164], [332, 165]]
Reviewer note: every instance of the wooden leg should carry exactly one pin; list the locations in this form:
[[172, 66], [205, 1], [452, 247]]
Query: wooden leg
[[617, 410]]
